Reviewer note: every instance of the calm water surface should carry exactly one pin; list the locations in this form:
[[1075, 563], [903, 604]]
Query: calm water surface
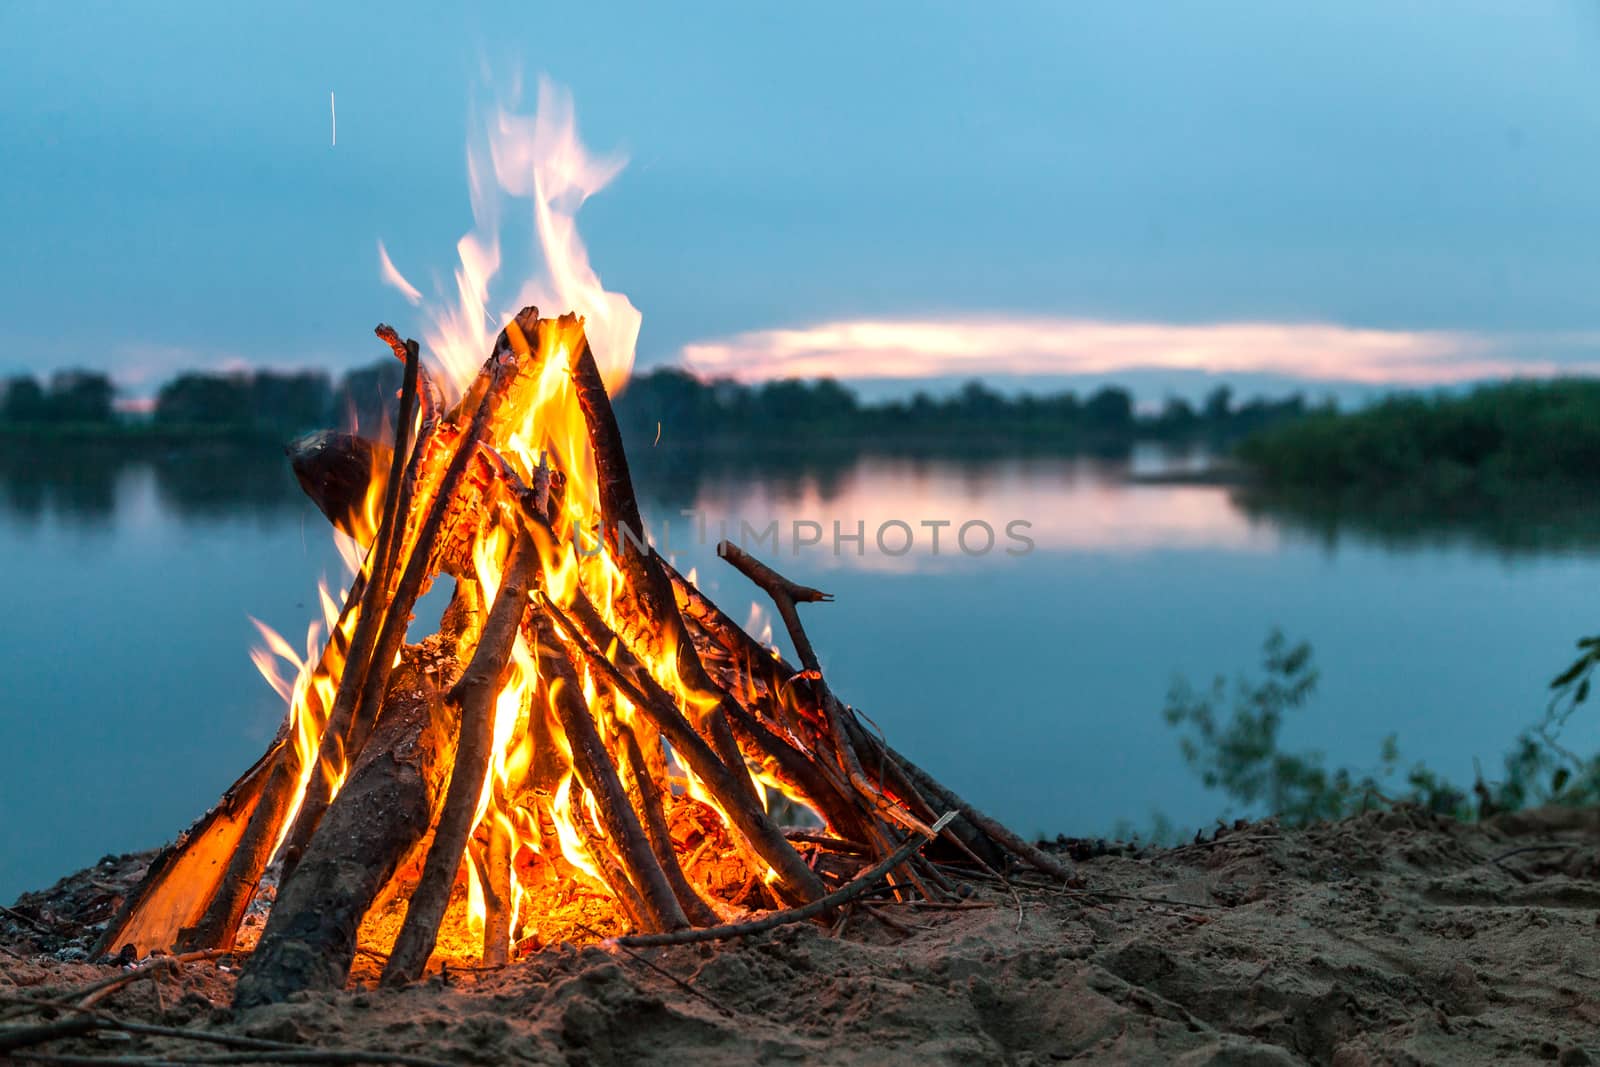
[[1031, 683]]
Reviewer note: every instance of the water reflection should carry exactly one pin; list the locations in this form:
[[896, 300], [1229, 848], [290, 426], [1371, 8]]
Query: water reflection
[[1072, 503], [1032, 684], [79, 484], [1535, 524]]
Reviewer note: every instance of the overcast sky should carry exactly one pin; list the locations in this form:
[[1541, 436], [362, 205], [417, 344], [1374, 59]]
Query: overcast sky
[[1407, 192]]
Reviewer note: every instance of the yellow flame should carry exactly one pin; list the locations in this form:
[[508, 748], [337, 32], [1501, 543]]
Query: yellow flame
[[572, 846], [538, 160]]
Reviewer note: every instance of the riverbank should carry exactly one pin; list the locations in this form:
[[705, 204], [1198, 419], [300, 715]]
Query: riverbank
[[1498, 442], [1390, 935]]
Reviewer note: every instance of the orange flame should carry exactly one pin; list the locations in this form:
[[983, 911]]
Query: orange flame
[[539, 160]]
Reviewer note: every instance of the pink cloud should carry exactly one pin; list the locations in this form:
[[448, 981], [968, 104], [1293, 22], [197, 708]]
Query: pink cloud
[[976, 346]]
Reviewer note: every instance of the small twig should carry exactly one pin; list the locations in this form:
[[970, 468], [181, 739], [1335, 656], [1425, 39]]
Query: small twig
[[679, 982], [93, 993], [37, 924], [785, 595], [1497, 860], [1226, 839], [110, 986], [1100, 894], [849, 891], [897, 925], [832, 844], [294, 1055], [252, 1049]]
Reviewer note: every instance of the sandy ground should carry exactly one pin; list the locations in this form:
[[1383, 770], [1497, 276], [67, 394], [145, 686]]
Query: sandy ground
[[1394, 937]]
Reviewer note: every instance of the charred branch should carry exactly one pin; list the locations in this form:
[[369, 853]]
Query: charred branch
[[598, 774], [380, 815], [474, 695]]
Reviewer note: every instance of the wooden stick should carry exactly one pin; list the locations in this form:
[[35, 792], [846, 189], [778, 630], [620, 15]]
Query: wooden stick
[[852, 889], [646, 694], [377, 820], [496, 875], [1030, 854], [651, 592], [475, 696], [784, 593], [598, 774], [802, 772], [334, 751], [775, 673], [391, 532], [647, 801], [419, 565], [607, 865]]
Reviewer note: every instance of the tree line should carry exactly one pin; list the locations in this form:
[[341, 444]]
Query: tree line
[[268, 401], [674, 402], [1496, 440], [691, 409]]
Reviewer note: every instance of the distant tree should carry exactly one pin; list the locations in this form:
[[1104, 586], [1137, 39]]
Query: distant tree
[[80, 396], [370, 396], [1110, 408], [1177, 417], [786, 402], [978, 403], [297, 400], [73, 396], [1218, 405], [832, 400], [24, 400], [211, 399]]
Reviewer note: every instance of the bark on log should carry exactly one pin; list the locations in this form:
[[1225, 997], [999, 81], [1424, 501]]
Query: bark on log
[[380, 815], [598, 774], [373, 648], [475, 695], [185, 876], [337, 471], [651, 591]]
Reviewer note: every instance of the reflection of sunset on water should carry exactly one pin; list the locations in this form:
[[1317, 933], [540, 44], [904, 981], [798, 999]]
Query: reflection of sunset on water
[[1072, 505]]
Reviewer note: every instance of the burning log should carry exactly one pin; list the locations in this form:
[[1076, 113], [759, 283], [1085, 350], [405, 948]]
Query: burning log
[[474, 695], [610, 728], [337, 472], [187, 874], [378, 818]]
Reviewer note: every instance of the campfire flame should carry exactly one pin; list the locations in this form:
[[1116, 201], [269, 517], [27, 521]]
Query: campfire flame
[[539, 160], [586, 730]]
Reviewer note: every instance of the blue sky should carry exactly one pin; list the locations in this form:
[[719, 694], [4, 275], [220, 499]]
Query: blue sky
[[170, 197]]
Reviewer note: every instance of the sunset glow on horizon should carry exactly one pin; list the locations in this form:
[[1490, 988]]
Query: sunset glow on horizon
[[1033, 345]]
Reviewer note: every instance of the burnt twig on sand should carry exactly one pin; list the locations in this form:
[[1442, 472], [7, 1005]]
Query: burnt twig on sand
[[852, 889]]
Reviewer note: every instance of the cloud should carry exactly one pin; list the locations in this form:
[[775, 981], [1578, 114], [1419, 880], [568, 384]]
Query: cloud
[[990, 345]]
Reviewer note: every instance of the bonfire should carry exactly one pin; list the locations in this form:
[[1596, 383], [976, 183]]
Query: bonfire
[[585, 724], [585, 746]]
